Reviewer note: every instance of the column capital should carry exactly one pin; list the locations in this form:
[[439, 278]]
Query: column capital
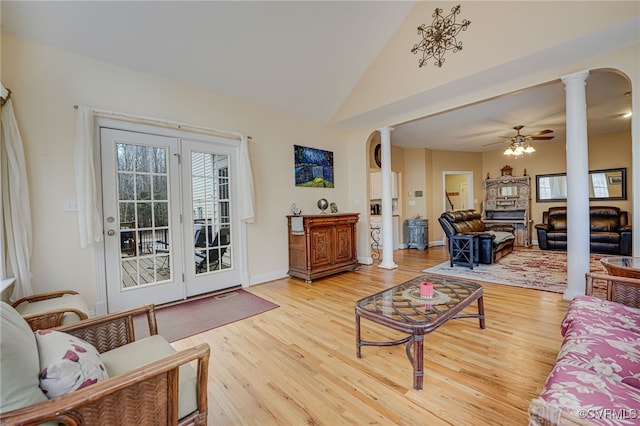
[[385, 129], [575, 77]]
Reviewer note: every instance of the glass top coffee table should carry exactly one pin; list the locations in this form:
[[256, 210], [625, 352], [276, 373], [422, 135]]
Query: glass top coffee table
[[622, 266], [402, 308]]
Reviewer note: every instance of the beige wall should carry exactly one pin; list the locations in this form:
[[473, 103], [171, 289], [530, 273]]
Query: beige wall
[[424, 169], [451, 161], [605, 152], [415, 179], [47, 82], [416, 93], [485, 49], [397, 162]]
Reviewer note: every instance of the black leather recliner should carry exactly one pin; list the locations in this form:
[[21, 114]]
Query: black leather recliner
[[495, 241], [609, 233]]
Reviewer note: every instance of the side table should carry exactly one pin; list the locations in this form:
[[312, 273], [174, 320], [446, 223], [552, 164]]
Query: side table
[[463, 250], [415, 233]]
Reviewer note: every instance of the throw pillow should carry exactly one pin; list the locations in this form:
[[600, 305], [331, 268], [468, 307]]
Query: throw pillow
[[19, 365], [67, 363]]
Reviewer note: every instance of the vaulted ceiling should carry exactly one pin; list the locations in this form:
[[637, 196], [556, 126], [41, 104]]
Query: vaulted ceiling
[[302, 58], [299, 57]]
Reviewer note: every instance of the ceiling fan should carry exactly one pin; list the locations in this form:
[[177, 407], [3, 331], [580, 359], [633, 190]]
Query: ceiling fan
[[521, 144]]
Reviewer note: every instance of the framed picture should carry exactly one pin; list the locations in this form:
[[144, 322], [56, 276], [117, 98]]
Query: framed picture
[[313, 167], [377, 155]]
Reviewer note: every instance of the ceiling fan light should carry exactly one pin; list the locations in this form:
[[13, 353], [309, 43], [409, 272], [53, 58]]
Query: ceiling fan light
[[508, 151], [529, 149], [519, 150]]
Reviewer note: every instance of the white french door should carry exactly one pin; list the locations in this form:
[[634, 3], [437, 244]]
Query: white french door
[[167, 211], [210, 232]]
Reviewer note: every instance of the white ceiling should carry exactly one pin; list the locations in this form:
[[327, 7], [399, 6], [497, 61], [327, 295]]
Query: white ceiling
[[480, 127], [299, 57]]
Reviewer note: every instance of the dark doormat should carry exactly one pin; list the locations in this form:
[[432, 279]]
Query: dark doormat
[[184, 319]]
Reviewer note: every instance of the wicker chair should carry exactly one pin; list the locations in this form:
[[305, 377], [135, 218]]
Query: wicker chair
[[543, 414], [152, 393], [48, 310], [625, 290]]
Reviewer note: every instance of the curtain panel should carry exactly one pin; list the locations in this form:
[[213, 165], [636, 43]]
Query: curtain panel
[[16, 209]]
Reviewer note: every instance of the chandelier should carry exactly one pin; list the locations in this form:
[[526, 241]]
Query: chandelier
[[518, 147], [440, 37], [521, 144]]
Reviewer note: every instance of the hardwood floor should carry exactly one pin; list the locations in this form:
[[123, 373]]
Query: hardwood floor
[[297, 364]]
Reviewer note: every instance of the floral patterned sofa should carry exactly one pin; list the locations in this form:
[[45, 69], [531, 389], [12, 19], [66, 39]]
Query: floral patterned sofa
[[596, 376]]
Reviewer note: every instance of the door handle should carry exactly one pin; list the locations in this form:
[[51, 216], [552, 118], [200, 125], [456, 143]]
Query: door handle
[[111, 232]]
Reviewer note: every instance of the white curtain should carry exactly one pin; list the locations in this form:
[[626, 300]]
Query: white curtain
[[16, 211], [89, 222], [88, 214], [247, 195]]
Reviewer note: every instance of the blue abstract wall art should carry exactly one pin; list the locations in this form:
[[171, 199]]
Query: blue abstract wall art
[[313, 167]]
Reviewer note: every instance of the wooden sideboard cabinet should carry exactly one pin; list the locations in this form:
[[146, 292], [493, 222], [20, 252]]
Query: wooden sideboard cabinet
[[321, 245]]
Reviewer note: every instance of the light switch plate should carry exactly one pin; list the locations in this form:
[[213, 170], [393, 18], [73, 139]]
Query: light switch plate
[[70, 205]]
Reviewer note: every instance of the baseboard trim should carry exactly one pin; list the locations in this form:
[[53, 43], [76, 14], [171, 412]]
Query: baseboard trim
[[272, 276]]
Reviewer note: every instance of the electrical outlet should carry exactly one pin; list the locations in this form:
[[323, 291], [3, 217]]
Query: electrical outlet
[[70, 205]]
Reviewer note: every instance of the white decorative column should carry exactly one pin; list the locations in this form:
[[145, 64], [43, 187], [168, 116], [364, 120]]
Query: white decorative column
[[577, 183], [387, 206]]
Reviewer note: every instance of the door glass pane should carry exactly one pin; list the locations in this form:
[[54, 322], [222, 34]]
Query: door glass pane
[[159, 187], [143, 212], [161, 214], [159, 160], [142, 158], [145, 249], [125, 186], [143, 187], [211, 225], [125, 157]]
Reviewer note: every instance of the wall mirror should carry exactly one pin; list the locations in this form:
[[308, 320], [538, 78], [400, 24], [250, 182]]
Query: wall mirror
[[606, 184]]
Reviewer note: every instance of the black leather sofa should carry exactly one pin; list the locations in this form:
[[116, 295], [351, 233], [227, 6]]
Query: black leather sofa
[[610, 231], [495, 241]]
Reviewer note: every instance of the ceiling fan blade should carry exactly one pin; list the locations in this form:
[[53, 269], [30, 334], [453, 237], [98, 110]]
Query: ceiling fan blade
[[536, 136], [493, 143], [541, 132]]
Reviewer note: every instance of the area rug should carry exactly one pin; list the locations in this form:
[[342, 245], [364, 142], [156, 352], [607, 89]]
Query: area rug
[[538, 269], [190, 317]]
